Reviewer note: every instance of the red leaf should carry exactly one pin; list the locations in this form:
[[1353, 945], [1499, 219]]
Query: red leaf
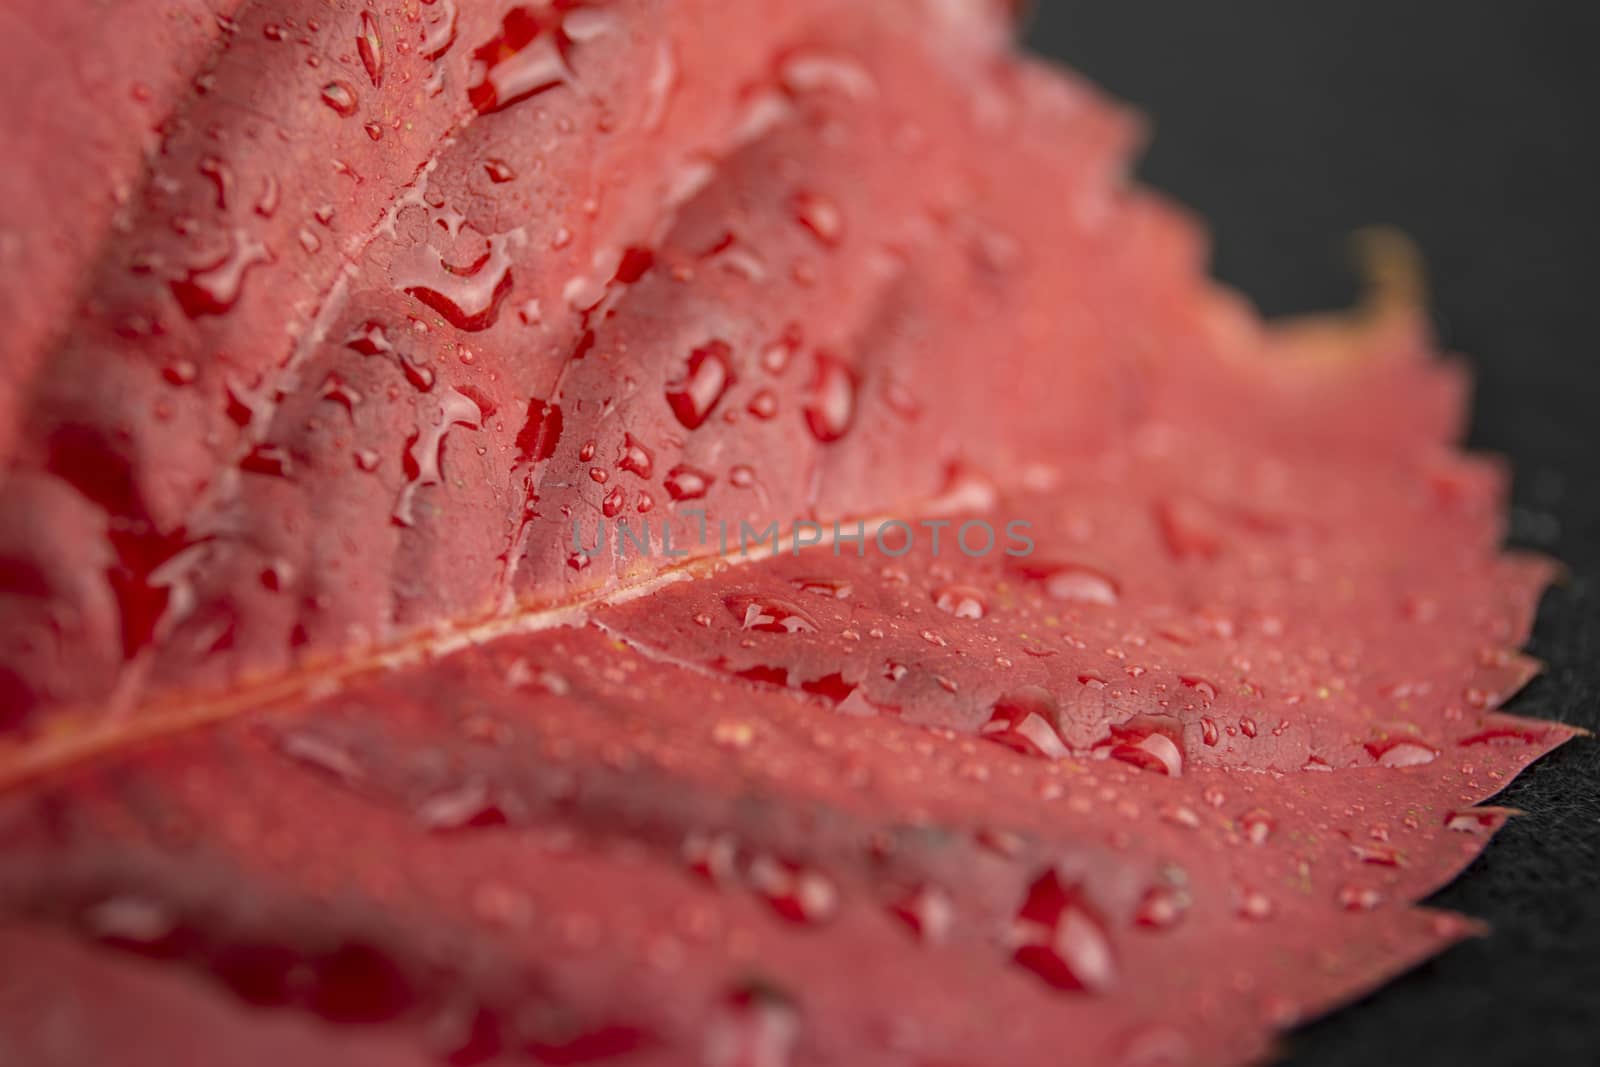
[[1138, 679]]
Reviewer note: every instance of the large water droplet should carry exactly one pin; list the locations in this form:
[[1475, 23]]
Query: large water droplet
[[369, 42], [370, 339], [468, 297], [1058, 937], [684, 482], [1073, 582], [769, 614], [1401, 753], [439, 31], [831, 402], [341, 98], [526, 57], [962, 601], [1025, 719], [833, 588], [705, 378], [215, 287], [422, 466], [755, 1027], [635, 457], [540, 434], [1149, 742]]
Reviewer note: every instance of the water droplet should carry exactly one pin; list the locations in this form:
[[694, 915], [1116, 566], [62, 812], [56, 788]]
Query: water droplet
[[771, 615], [1026, 720], [340, 97], [831, 402], [321, 754], [764, 405], [1149, 742], [525, 58], [1505, 734], [819, 215], [684, 482], [705, 378], [440, 32], [928, 911], [472, 804], [811, 71], [370, 339], [1377, 854], [268, 459], [214, 288], [712, 856], [1475, 820], [634, 457], [540, 434], [500, 172], [775, 357], [181, 372], [1254, 904], [798, 893], [1074, 582], [1190, 528], [614, 502], [1401, 753], [1162, 907], [1359, 898], [756, 1027], [1058, 937], [220, 176], [468, 297], [1257, 826], [135, 923], [964, 602], [835, 588], [267, 202], [422, 466], [370, 44]]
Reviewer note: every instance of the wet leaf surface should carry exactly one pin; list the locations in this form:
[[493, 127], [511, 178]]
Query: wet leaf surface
[[1136, 672]]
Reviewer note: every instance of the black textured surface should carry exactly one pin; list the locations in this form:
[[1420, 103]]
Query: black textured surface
[[1473, 125]]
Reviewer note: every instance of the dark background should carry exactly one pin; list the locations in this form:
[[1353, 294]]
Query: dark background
[[1471, 125]]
